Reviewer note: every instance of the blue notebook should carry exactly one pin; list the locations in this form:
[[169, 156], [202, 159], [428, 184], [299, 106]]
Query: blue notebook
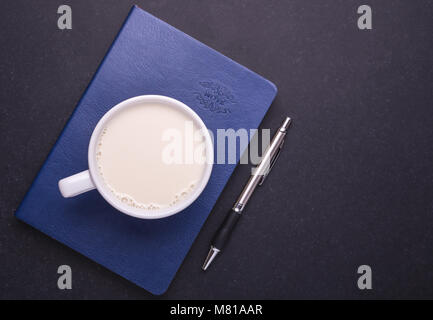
[[148, 56]]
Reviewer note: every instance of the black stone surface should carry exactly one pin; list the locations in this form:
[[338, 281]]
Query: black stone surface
[[353, 186]]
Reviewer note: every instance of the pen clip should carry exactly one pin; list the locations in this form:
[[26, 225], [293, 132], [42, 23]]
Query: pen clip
[[271, 165]]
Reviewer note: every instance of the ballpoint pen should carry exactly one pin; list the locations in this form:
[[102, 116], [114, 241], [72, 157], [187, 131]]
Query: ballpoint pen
[[257, 177]]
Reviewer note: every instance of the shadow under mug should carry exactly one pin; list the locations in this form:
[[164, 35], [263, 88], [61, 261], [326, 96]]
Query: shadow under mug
[[90, 179]]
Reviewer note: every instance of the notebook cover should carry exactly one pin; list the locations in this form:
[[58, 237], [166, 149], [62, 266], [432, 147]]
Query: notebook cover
[[148, 56]]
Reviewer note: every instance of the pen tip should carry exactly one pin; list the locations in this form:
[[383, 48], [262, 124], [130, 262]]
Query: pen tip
[[210, 257]]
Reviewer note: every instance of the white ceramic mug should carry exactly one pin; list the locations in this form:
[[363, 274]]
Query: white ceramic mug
[[91, 179]]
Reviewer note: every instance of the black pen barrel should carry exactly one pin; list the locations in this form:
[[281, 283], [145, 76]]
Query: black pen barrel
[[222, 236]]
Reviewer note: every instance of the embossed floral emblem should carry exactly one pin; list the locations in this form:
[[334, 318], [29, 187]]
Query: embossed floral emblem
[[215, 97]]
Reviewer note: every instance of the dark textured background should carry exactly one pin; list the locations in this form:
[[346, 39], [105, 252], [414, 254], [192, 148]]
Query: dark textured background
[[354, 184]]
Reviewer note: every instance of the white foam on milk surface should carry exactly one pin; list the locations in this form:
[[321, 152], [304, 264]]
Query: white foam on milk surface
[[130, 157]]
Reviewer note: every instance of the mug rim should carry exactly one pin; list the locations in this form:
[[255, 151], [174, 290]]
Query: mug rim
[[139, 212]]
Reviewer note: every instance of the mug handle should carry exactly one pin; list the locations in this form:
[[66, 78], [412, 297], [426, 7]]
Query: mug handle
[[77, 184]]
